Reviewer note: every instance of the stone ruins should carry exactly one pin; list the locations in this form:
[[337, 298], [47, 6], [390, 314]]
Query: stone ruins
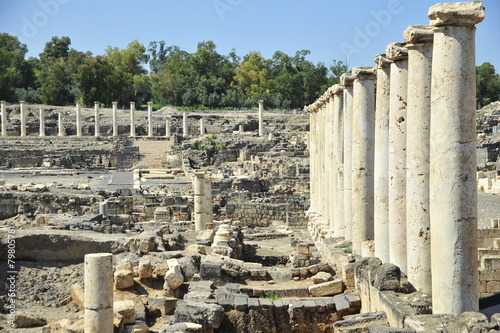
[[364, 212]]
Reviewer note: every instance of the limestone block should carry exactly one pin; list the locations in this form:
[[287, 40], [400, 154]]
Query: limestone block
[[348, 274], [124, 279], [165, 304], [472, 318], [490, 263], [173, 278], [138, 327], [460, 13], [161, 270], [210, 270], [486, 275], [208, 315], [25, 321], [125, 266], [353, 299], [77, 295], [195, 248], [387, 277], [313, 269], [384, 329], [184, 328], [493, 286], [125, 309], [434, 323], [145, 269], [327, 288], [322, 277], [360, 322], [302, 248]]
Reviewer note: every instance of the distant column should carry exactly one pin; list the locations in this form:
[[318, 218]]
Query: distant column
[[23, 118], [78, 119], [4, 118], [313, 113], [185, 124], [329, 177], [338, 163], [453, 188], [347, 82], [42, 122], [60, 124], [132, 119], [202, 126], [261, 117], [97, 130], [419, 43], [150, 119], [199, 198], [209, 217], [363, 137], [398, 54], [167, 128], [98, 290], [381, 175], [115, 121]]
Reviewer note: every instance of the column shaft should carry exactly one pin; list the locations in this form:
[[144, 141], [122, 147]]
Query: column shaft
[[202, 126], [23, 118], [150, 119], [184, 124], [167, 128], [97, 131], [132, 119], [60, 124], [115, 122], [261, 118], [42, 122], [338, 166], [78, 119], [199, 198], [347, 81], [4, 119], [209, 217], [329, 176], [363, 137]]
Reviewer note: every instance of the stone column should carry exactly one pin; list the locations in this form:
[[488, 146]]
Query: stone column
[[381, 175], [453, 188], [261, 118], [199, 198], [347, 82], [97, 129], [185, 132], [98, 293], [60, 124], [397, 53], [132, 119], [338, 163], [150, 119], [202, 126], [42, 122], [78, 119], [23, 118], [322, 198], [363, 137], [209, 216], [115, 122], [329, 177], [167, 128], [4, 119], [419, 43], [313, 208], [103, 208]]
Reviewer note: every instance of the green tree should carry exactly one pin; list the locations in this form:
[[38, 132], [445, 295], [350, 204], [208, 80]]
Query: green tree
[[252, 75], [487, 84], [13, 68], [336, 70], [97, 81]]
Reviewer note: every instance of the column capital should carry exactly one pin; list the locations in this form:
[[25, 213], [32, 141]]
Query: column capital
[[364, 73], [346, 80], [337, 89], [199, 174], [457, 13], [77, 103], [96, 103], [396, 51], [382, 61], [21, 102], [419, 34], [150, 103], [261, 101], [132, 103], [114, 103], [3, 102]]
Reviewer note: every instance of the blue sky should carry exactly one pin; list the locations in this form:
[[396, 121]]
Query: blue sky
[[352, 31]]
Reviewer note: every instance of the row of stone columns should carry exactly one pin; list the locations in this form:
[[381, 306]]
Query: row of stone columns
[[408, 157]]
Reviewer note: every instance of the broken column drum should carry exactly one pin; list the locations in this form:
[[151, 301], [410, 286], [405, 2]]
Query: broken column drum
[[363, 137], [60, 124], [42, 122], [261, 118], [453, 163], [199, 197], [96, 130], [132, 119], [398, 54], [4, 119], [115, 122], [347, 82], [150, 119], [419, 43], [23, 118], [338, 166], [98, 293], [381, 171], [78, 119], [223, 234]]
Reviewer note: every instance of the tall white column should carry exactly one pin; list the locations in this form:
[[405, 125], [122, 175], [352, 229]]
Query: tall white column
[[323, 199], [185, 132], [347, 82], [23, 118], [199, 198], [338, 163], [96, 116], [363, 137], [42, 122], [60, 124], [453, 188], [209, 217], [329, 176], [261, 118], [115, 121], [132, 119], [167, 128], [313, 111], [202, 126], [397, 53], [4, 118], [98, 293], [78, 119], [419, 43], [381, 176], [150, 119]]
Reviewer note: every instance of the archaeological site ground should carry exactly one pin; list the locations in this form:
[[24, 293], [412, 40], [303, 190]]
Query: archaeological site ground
[[374, 209]]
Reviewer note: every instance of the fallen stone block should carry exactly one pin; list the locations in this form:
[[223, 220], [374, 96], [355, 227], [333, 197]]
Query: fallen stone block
[[184, 328], [387, 277], [241, 302], [327, 288], [124, 279], [207, 315], [25, 321], [125, 309], [145, 269], [210, 270], [384, 329], [360, 323], [138, 327], [77, 295], [165, 304], [322, 277], [173, 278], [433, 323]]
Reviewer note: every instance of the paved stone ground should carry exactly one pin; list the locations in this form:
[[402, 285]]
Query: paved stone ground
[[488, 208]]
